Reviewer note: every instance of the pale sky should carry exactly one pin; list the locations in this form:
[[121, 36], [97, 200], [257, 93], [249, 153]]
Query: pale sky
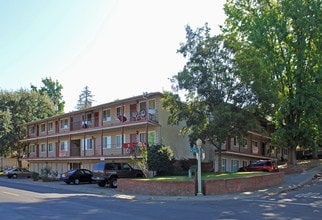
[[118, 49]]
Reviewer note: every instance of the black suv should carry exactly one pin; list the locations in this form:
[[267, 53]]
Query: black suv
[[108, 173]]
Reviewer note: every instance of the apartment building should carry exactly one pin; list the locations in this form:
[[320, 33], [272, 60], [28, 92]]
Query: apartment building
[[113, 131], [109, 132]]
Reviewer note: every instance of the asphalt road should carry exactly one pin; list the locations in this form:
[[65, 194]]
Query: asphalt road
[[41, 201]]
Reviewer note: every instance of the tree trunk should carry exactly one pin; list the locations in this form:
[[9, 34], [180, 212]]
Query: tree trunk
[[219, 161], [292, 157]]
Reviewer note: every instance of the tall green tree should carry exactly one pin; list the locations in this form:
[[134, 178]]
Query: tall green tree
[[52, 89], [282, 40], [85, 99], [16, 109], [217, 104]]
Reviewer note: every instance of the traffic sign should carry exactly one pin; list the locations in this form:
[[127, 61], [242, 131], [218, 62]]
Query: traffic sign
[[194, 150]]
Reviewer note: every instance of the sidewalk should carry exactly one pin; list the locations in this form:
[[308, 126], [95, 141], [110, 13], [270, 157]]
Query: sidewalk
[[291, 182]]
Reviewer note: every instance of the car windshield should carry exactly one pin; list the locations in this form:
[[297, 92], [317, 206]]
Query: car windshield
[[99, 166], [257, 163], [71, 171]]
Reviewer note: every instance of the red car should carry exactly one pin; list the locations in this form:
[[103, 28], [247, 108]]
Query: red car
[[260, 165]]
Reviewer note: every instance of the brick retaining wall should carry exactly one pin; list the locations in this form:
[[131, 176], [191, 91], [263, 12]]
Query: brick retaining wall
[[209, 187]]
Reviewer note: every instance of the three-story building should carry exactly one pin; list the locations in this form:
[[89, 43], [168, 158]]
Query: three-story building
[[113, 131]]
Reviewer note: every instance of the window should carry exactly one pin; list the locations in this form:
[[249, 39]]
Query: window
[[118, 111], [234, 165], [151, 138], [244, 143], [119, 141], [63, 146], [50, 126], [50, 147], [64, 123], [107, 142], [254, 143], [89, 119], [42, 128], [224, 164], [42, 148], [151, 104], [142, 137], [142, 109], [88, 143], [234, 142], [107, 115], [31, 129], [32, 148]]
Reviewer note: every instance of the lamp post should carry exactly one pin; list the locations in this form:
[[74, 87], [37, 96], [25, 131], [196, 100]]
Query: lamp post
[[199, 143]]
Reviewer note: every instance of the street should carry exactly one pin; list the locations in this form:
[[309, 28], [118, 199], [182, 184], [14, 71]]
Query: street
[[36, 201]]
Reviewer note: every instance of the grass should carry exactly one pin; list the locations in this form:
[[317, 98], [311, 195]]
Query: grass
[[207, 176]]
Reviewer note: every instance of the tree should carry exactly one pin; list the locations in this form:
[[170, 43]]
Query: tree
[[53, 91], [217, 103], [16, 109], [85, 99], [283, 39]]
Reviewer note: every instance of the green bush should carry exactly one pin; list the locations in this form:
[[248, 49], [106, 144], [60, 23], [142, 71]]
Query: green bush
[[161, 160]]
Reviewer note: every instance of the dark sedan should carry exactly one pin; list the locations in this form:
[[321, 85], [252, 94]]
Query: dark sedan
[[77, 176], [17, 172]]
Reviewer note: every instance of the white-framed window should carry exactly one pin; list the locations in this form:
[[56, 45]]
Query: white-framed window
[[50, 147], [107, 142], [50, 126], [88, 144], [119, 141], [118, 111], [142, 137], [224, 164], [254, 143], [64, 123], [107, 115], [234, 165], [63, 146], [42, 147], [32, 148], [31, 129], [42, 128]]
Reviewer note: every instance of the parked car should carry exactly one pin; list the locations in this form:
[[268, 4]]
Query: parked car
[[77, 176], [17, 172], [309, 155], [108, 173], [261, 165]]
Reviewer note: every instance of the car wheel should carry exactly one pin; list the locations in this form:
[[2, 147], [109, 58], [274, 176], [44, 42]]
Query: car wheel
[[76, 181], [14, 176], [113, 182], [101, 183]]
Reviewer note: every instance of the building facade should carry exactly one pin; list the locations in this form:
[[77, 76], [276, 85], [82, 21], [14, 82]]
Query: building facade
[[113, 131], [109, 132]]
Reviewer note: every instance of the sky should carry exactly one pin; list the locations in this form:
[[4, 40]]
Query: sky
[[118, 48]]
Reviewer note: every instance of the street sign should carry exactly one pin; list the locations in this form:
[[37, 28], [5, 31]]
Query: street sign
[[194, 150]]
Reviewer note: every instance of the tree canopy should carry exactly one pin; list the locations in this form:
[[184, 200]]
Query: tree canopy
[[217, 104], [16, 109], [52, 90], [280, 42]]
